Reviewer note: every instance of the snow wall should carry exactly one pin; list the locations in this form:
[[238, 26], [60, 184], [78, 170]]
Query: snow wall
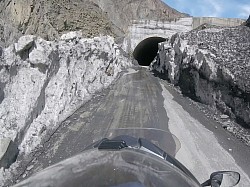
[[43, 82], [211, 66]]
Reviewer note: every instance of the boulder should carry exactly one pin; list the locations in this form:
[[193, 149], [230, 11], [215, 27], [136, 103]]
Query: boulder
[[41, 52], [8, 152], [224, 116], [9, 56], [24, 43], [71, 35]]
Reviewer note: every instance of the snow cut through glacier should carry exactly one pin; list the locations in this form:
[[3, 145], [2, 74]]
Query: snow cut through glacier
[[43, 82], [211, 66]]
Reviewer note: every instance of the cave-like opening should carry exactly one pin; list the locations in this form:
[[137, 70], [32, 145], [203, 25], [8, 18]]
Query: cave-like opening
[[146, 50]]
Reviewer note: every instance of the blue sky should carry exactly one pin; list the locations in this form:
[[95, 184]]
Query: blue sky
[[212, 8]]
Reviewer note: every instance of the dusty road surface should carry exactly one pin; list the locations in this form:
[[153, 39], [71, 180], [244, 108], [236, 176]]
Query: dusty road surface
[[139, 99]]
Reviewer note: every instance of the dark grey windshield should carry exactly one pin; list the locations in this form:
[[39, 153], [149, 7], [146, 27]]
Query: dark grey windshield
[[111, 168]]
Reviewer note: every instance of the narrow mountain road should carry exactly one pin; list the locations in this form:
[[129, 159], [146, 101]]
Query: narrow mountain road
[[138, 99]]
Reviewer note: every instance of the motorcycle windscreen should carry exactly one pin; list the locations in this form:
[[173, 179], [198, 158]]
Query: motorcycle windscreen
[[162, 139], [126, 167]]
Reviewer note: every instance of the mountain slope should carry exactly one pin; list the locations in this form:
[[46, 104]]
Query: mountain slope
[[50, 19], [121, 12]]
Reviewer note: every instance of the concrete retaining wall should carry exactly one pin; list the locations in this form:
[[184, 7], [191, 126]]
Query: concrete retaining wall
[[142, 29], [224, 22]]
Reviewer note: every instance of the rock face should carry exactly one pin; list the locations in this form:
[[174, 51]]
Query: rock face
[[42, 82], [50, 19], [247, 23], [211, 66]]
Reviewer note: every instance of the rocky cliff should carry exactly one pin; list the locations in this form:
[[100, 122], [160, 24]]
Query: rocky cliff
[[50, 19], [211, 66]]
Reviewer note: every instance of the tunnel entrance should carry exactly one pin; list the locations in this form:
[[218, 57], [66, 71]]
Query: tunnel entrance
[[146, 50]]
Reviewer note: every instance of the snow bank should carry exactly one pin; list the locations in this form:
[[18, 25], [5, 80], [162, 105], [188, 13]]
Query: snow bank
[[43, 82], [211, 66]]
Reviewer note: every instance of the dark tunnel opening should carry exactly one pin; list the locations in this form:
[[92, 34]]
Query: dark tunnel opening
[[146, 50]]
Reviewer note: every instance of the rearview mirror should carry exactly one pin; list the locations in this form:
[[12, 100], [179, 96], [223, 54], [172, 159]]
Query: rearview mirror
[[223, 179]]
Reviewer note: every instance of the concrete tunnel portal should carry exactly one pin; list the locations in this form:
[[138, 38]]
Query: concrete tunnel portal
[[146, 50]]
